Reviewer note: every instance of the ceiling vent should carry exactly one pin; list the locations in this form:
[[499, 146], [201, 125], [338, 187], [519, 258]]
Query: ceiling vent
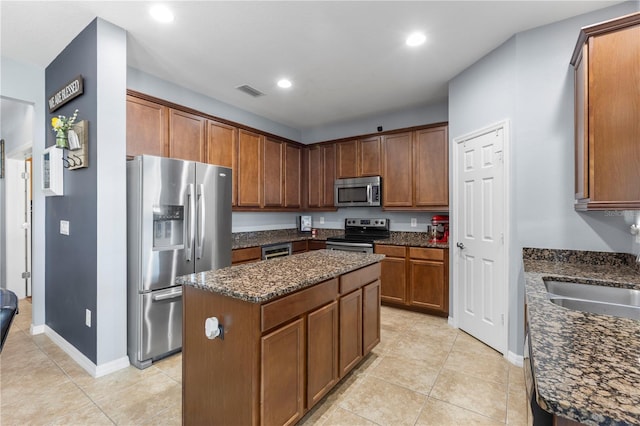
[[250, 90]]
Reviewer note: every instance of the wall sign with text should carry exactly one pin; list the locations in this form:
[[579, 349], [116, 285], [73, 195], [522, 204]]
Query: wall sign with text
[[70, 90]]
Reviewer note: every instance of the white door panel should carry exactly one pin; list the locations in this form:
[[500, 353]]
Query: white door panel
[[479, 268]]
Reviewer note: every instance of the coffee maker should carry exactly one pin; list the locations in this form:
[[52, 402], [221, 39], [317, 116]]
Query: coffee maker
[[440, 229]]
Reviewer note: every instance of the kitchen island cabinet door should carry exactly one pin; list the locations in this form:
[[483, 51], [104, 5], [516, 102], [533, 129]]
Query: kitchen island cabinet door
[[322, 352], [147, 128], [187, 138], [282, 374], [249, 169], [350, 331], [370, 316]]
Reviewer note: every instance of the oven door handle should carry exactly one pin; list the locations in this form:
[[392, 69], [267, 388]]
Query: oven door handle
[[336, 243]]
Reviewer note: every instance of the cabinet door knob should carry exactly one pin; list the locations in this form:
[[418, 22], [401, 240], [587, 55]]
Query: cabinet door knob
[[460, 245]]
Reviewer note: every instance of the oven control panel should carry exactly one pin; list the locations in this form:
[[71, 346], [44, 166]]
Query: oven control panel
[[367, 223]]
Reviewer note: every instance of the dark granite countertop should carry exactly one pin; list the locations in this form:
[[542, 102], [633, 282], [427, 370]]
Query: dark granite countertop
[[586, 366], [261, 238], [262, 281]]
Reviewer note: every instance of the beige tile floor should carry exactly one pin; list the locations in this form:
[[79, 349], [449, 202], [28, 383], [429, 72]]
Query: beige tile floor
[[423, 372]]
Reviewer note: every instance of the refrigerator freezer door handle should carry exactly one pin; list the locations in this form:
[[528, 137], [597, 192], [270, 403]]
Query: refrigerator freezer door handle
[[190, 223], [201, 219], [167, 296]]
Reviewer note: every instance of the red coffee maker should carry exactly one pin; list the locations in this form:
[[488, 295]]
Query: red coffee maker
[[440, 224]]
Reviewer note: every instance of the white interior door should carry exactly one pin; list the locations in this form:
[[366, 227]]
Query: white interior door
[[480, 268], [18, 224]]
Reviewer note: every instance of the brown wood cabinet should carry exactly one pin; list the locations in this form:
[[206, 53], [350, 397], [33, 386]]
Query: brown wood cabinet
[[298, 246], [187, 136], [283, 375], [246, 255], [359, 157], [394, 273], [249, 169], [222, 147], [273, 173], [607, 128], [147, 128], [322, 354], [292, 176], [416, 170], [427, 284], [279, 358], [316, 244], [321, 166], [415, 277]]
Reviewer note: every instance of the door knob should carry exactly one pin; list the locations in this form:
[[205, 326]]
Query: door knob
[[460, 245]]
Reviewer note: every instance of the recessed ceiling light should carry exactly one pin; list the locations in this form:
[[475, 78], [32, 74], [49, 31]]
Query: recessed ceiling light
[[416, 39], [161, 13], [284, 83]]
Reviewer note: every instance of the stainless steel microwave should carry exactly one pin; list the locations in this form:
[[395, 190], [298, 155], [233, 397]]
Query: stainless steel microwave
[[358, 192]]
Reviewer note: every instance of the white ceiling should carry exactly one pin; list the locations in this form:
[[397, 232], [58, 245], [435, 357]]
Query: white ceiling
[[347, 59]]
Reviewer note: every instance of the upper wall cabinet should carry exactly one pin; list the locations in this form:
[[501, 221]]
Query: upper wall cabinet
[[187, 140], [250, 181], [147, 128], [361, 157], [607, 110], [415, 170], [222, 148], [321, 174]]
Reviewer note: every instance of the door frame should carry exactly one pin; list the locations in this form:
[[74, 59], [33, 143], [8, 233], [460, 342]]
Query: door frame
[[455, 256]]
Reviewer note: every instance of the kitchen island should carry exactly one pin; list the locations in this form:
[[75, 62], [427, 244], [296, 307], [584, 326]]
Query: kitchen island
[[585, 365], [290, 329]]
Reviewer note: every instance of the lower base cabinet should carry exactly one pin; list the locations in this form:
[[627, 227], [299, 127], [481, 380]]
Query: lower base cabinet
[[278, 359], [415, 278]]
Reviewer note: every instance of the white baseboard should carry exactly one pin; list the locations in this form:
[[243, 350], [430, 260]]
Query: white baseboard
[[37, 329], [452, 322], [82, 360], [515, 359]]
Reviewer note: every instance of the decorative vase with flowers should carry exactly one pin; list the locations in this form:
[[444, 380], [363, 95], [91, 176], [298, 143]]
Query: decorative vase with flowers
[[61, 126]]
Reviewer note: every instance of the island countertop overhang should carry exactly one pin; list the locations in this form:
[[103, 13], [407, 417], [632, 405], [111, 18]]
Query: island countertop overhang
[[264, 281]]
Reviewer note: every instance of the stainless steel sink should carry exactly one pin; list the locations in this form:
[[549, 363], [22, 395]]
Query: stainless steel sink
[[616, 310], [603, 300]]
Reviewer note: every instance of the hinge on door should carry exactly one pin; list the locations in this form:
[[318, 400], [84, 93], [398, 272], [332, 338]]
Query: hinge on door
[[24, 175], [26, 275]]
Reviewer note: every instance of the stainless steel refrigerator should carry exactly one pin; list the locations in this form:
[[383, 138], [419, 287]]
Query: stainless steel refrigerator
[[178, 222]]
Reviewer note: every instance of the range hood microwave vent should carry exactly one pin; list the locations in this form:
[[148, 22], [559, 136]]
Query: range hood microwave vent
[[251, 91]]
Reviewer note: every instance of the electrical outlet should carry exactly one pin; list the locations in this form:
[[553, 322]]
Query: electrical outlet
[[87, 318], [321, 220], [64, 227], [414, 222]]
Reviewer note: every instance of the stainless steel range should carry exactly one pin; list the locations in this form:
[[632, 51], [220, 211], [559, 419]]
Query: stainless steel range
[[359, 235]]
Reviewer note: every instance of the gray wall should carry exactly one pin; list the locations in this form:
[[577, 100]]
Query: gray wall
[[399, 221], [87, 269], [427, 114], [529, 81], [25, 82], [154, 86]]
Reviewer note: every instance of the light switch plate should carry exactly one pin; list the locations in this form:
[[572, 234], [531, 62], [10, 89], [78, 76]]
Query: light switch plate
[[64, 227], [87, 318]]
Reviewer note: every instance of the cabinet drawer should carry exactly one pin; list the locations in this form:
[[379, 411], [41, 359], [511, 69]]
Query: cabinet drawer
[[393, 251], [358, 278], [297, 246], [245, 254], [282, 310], [426, 253]]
